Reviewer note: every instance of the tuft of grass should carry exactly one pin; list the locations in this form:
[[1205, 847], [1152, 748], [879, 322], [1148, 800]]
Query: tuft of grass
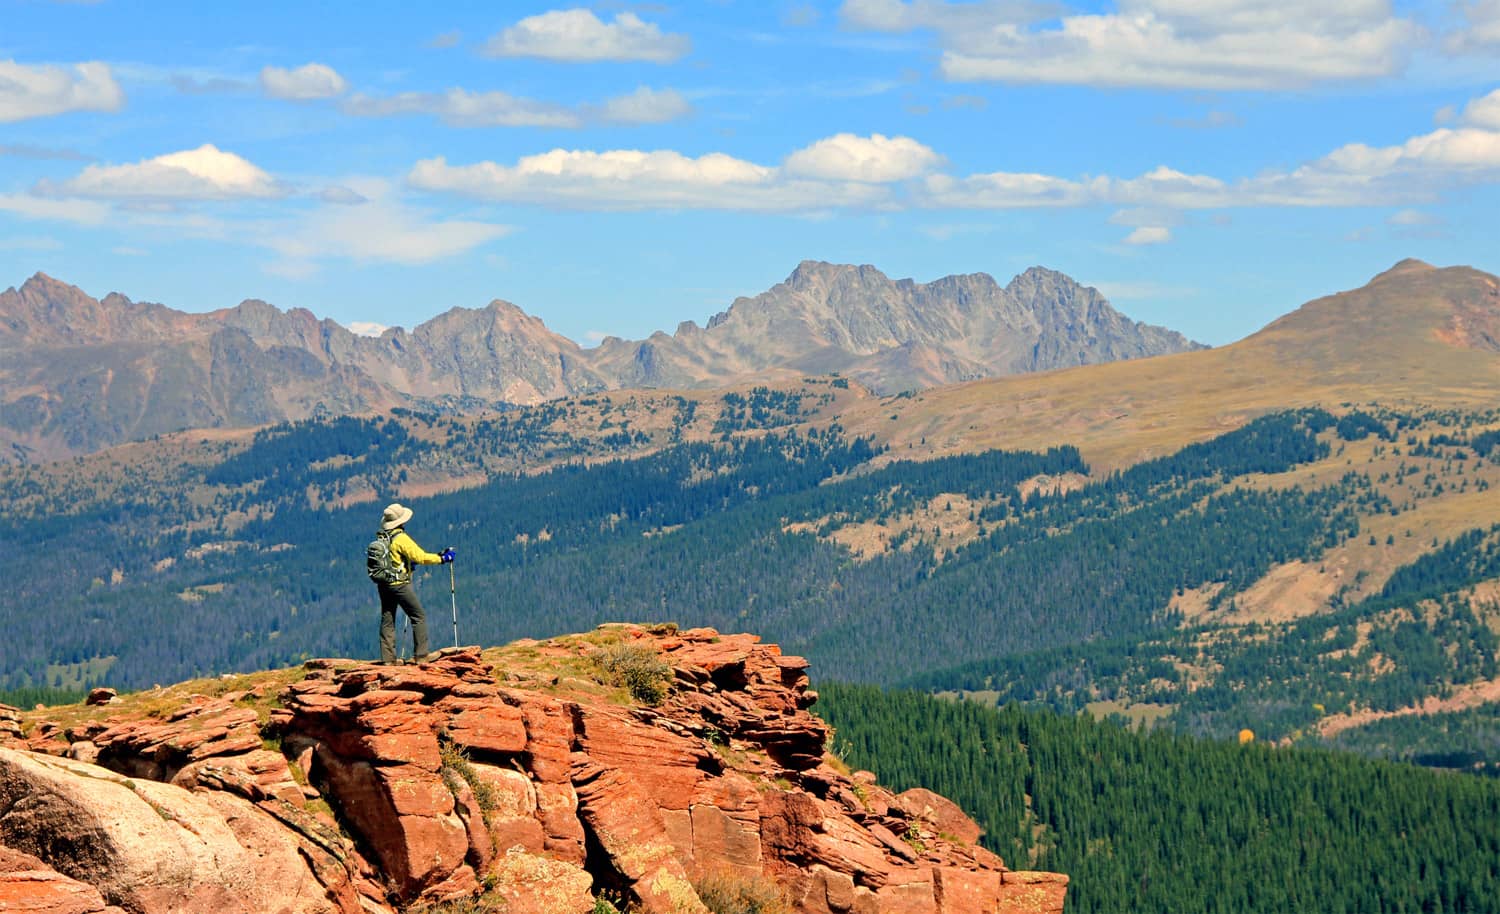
[[456, 765], [636, 668], [481, 904], [603, 904], [730, 893]]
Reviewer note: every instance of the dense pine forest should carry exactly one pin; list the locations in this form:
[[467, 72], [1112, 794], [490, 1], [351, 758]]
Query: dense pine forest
[[1161, 822], [1005, 575]]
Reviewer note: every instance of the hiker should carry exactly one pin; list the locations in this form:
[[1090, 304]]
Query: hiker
[[392, 557]]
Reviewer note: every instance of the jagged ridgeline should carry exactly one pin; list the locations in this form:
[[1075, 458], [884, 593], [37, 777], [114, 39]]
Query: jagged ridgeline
[[1149, 822], [253, 562]]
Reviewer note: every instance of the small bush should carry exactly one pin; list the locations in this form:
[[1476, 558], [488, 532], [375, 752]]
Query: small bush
[[726, 893], [637, 668]]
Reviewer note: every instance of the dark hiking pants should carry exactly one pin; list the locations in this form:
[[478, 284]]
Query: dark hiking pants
[[404, 596]]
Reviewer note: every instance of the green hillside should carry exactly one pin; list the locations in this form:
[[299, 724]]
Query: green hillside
[[1158, 822], [1016, 575]]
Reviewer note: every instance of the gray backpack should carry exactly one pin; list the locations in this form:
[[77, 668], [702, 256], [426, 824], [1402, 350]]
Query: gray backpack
[[381, 562]]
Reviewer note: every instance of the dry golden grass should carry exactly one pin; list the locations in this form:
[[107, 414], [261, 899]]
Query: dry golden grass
[[1389, 342]]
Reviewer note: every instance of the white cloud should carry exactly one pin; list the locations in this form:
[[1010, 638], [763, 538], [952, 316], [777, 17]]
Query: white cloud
[[1215, 44], [1412, 217], [367, 328], [383, 230], [27, 151], [1149, 234], [1481, 30], [462, 108], [903, 16], [31, 243], [78, 212], [43, 91], [1484, 111], [306, 83], [295, 270], [1003, 190], [626, 179], [577, 35], [646, 106], [875, 158], [337, 193], [190, 84], [205, 173]]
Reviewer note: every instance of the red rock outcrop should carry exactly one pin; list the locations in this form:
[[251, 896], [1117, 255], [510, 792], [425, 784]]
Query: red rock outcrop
[[472, 775]]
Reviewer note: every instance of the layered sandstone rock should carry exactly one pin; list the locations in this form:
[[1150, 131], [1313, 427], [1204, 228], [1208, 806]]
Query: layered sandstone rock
[[474, 775]]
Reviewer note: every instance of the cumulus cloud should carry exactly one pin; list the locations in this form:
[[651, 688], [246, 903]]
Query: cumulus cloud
[[883, 172], [875, 158], [42, 91], [577, 35], [306, 83], [1214, 44], [627, 179], [205, 173], [367, 328]]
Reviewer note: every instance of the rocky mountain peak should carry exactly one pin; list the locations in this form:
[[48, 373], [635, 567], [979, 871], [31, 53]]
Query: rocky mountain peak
[[170, 370], [484, 775], [1407, 267]]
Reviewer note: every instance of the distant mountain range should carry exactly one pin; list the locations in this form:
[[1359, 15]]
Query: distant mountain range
[[80, 374]]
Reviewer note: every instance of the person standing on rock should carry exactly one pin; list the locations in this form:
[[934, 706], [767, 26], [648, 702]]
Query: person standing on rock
[[392, 556]]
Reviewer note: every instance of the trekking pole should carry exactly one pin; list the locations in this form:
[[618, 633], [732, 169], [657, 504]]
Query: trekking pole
[[403, 636], [453, 598]]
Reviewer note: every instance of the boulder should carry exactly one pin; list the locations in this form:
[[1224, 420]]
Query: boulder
[[29, 886], [944, 815], [152, 847]]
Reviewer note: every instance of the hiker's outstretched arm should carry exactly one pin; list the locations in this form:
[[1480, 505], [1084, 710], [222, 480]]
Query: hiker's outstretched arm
[[412, 553]]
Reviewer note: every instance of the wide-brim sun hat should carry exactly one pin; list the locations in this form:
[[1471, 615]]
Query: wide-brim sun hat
[[395, 515]]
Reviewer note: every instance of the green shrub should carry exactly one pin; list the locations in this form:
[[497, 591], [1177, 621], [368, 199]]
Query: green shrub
[[603, 905], [636, 668]]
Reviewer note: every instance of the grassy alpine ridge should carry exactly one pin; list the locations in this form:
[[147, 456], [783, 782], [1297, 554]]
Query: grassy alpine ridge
[[1154, 822]]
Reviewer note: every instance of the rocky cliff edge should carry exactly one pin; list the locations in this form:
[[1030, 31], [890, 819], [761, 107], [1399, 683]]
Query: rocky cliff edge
[[654, 769]]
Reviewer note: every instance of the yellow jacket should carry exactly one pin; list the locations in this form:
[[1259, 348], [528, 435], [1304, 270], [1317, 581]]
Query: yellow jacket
[[409, 554]]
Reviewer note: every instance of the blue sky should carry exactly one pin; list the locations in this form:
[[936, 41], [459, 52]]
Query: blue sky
[[617, 168]]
